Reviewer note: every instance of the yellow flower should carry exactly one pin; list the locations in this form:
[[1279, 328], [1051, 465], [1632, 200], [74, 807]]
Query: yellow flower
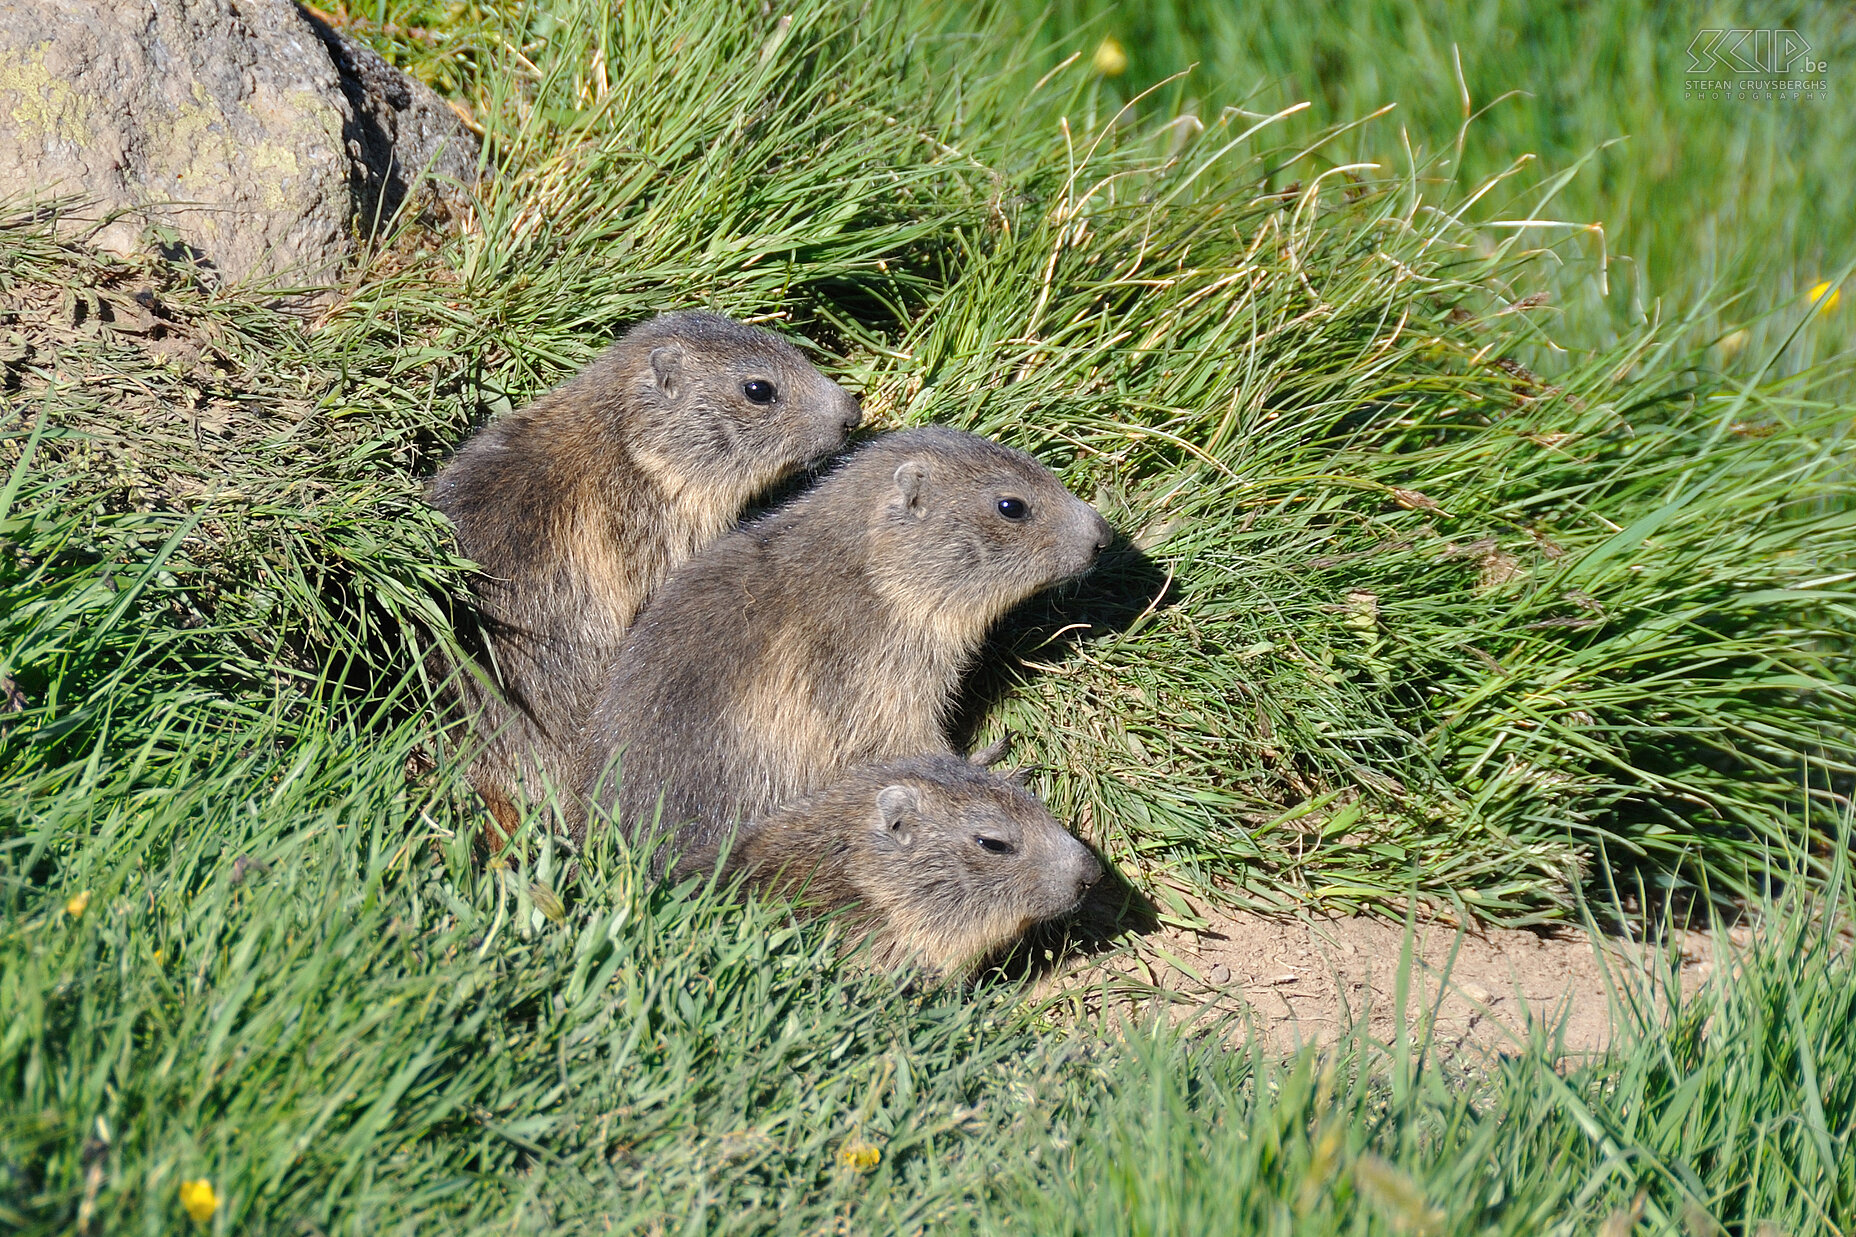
[[1110, 60], [858, 1155], [1824, 296], [78, 905], [199, 1199]]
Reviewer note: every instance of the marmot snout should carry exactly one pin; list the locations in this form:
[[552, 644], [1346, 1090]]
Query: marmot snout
[[938, 861]]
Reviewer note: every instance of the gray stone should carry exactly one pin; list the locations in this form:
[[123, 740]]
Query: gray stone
[[244, 133]]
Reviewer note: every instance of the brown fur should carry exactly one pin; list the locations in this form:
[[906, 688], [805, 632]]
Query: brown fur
[[578, 505], [830, 633], [936, 861]]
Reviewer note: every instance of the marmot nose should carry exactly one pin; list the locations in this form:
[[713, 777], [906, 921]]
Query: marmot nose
[[1088, 873], [1105, 534], [853, 412]]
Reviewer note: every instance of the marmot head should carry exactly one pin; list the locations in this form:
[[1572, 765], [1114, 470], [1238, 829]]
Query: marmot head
[[968, 527], [727, 409], [944, 862]]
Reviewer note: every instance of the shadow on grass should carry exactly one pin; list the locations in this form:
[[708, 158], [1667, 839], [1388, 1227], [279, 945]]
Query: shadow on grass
[[1125, 587]]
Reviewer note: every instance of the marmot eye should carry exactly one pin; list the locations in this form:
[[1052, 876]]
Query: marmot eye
[[994, 845], [1014, 508], [759, 391]]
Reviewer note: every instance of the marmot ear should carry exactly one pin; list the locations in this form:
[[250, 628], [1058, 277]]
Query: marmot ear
[[895, 804], [912, 484], [667, 364]]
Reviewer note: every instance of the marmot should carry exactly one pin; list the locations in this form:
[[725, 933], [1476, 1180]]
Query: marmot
[[832, 632], [937, 861], [578, 505]]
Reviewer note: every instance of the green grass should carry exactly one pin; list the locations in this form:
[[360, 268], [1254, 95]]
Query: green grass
[[1734, 206], [288, 976], [1411, 603]]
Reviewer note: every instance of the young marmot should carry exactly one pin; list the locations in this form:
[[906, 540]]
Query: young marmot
[[938, 862], [830, 633], [578, 505]]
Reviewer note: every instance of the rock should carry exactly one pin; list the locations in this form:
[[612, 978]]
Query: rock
[[1221, 974], [243, 133]]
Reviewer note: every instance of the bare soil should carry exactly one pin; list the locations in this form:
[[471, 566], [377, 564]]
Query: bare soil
[[1312, 980]]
